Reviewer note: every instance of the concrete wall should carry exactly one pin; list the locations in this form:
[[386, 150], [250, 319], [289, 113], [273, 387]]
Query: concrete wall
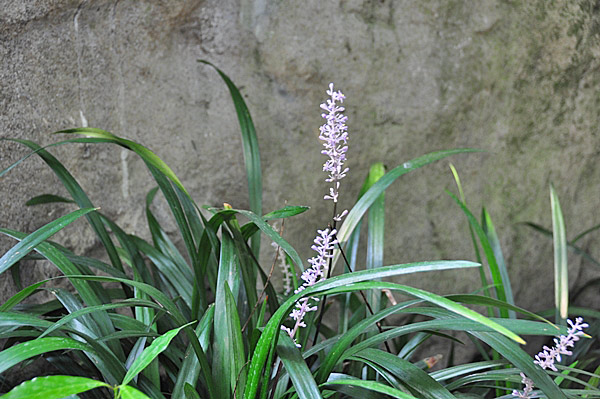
[[518, 79]]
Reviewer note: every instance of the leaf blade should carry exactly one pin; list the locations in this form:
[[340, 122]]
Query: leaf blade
[[53, 387], [251, 150], [363, 204], [151, 352], [561, 275], [28, 243]]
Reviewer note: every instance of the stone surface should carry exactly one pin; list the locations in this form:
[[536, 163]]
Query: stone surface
[[517, 79]]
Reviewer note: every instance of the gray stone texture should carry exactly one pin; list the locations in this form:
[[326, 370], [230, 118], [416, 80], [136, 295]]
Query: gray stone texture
[[518, 79]]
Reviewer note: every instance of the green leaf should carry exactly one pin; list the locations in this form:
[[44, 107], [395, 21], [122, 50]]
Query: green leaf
[[190, 367], [295, 365], [251, 151], [350, 282], [151, 352], [25, 350], [521, 360], [570, 244], [286, 212], [53, 387], [408, 373], [346, 340], [365, 202], [488, 251], [85, 290], [465, 369], [482, 276], [561, 275], [270, 232], [490, 232], [47, 199], [593, 381], [178, 275], [371, 385], [170, 308], [487, 301], [91, 309], [190, 392], [148, 156], [449, 322], [128, 392], [237, 354], [376, 231], [76, 191], [352, 255], [21, 295], [584, 233], [228, 351], [28, 243]]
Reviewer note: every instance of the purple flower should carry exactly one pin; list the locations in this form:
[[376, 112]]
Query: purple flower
[[323, 246], [527, 390], [335, 136], [546, 358]]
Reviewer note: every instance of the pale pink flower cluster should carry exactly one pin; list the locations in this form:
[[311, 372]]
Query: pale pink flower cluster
[[548, 356], [324, 244], [335, 136], [527, 390]]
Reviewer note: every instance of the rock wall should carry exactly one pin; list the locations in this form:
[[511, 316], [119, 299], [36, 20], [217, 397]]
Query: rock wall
[[517, 79]]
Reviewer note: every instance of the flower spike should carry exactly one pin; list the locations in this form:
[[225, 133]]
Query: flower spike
[[334, 134], [323, 245], [546, 358]]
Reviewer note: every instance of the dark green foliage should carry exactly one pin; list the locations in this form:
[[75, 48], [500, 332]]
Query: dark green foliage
[[157, 323]]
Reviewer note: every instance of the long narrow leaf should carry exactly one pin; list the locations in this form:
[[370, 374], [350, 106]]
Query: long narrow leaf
[[128, 392], [365, 202], [226, 354], [21, 295], [85, 290], [91, 309], [269, 337], [286, 212], [511, 352], [488, 251], [190, 368], [570, 244], [376, 231], [490, 232], [148, 156], [408, 373], [53, 387], [270, 232], [172, 309], [348, 338], [77, 193], [151, 352], [371, 385], [561, 275], [28, 243], [47, 199], [251, 151], [296, 367], [25, 350]]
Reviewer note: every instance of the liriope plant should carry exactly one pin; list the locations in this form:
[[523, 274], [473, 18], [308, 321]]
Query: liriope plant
[[193, 324]]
